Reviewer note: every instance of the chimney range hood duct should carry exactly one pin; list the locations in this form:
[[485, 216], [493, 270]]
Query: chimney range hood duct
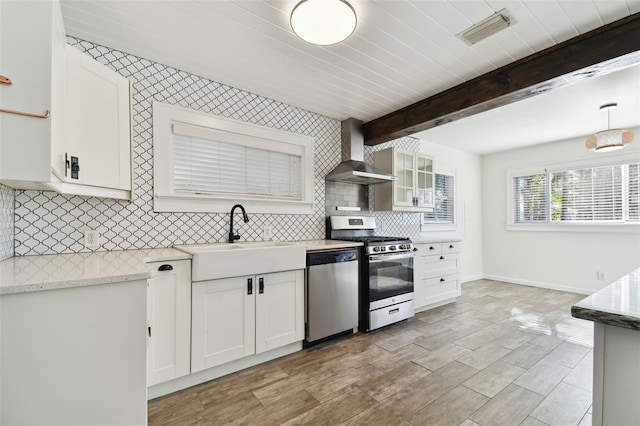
[[353, 169]]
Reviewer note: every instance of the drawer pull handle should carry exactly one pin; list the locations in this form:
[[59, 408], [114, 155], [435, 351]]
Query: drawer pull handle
[[394, 311], [441, 280], [165, 268], [441, 257], [249, 286], [260, 285]]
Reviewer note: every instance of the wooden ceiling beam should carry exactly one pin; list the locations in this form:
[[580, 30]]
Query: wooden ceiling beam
[[601, 51]]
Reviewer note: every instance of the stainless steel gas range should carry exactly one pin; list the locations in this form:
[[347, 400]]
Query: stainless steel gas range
[[386, 271]]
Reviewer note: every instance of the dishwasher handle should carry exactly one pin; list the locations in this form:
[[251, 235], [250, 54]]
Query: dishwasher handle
[[332, 256]]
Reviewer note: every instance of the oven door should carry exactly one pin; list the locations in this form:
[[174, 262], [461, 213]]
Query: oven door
[[390, 275]]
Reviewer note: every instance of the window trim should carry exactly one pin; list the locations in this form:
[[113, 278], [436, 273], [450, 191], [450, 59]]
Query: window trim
[[166, 199], [609, 160], [440, 169]]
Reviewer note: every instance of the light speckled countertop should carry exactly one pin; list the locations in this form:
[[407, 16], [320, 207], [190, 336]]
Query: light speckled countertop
[[54, 271], [617, 304], [422, 240], [23, 274]]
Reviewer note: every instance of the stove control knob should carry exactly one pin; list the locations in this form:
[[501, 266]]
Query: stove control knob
[[392, 247], [382, 248], [376, 249]]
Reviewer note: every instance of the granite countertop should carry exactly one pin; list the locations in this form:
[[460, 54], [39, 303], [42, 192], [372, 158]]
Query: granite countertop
[[23, 274], [617, 304]]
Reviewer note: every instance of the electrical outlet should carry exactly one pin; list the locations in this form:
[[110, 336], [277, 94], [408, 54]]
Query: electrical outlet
[[92, 238], [267, 233], [601, 275]]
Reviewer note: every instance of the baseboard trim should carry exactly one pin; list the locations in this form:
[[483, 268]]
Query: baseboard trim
[[471, 278], [550, 286]]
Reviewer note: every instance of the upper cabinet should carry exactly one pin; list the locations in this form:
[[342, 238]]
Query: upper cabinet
[[83, 147], [413, 190]]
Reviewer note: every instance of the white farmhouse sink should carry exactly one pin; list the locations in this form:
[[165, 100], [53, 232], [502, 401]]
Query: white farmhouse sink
[[223, 260]]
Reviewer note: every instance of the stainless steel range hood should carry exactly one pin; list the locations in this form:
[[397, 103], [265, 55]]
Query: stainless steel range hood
[[353, 169]]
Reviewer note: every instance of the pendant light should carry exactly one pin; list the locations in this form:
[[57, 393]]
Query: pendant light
[[610, 139], [323, 22]]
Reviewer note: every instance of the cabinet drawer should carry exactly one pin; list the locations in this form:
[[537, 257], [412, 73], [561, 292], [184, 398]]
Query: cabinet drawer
[[429, 249], [439, 265], [453, 247], [442, 281]]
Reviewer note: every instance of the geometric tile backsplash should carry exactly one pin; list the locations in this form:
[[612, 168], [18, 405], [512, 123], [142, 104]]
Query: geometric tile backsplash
[[47, 222], [7, 198]]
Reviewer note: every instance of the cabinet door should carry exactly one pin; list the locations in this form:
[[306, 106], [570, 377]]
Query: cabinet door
[[424, 181], [169, 321], [97, 123], [32, 41], [279, 310], [404, 170], [223, 321]]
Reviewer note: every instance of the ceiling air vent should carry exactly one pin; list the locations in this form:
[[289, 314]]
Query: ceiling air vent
[[487, 27]]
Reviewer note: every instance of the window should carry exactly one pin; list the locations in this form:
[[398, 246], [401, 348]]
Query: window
[[444, 210], [204, 163], [602, 194]]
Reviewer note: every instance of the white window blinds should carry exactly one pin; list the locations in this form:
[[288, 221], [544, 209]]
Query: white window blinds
[[585, 195], [204, 164], [444, 210]]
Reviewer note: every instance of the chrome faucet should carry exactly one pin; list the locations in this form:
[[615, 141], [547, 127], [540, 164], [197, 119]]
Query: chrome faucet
[[234, 236]]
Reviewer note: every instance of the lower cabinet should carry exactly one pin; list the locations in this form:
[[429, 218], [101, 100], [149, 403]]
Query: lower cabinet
[[436, 274], [168, 321], [240, 316], [74, 356]]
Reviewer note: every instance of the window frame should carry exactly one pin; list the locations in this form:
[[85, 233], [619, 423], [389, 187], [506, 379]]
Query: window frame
[[428, 226], [167, 199], [568, 226]]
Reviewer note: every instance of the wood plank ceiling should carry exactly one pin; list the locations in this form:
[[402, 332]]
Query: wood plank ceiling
[[401, 52]]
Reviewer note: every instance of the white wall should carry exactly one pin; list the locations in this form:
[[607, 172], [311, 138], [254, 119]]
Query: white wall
[[561, 260], [468, 185]]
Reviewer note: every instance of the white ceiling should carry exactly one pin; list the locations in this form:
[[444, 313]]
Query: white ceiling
[[400, 53]]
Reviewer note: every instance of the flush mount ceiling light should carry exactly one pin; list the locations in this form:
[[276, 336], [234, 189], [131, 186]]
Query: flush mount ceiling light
[[610, 139], [323, 22], [487, 27]]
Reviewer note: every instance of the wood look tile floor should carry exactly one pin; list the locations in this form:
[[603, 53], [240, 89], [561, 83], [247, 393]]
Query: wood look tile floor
[[502, 354]]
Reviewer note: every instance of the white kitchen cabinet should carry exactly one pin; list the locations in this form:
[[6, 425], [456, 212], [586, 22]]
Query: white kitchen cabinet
[[89, 108], [436, 274], [236, 317], [279, 310], [169, 320], [413, 190], [74, 356]]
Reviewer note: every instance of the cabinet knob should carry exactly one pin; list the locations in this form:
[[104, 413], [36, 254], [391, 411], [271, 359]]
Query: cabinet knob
[[165, 268], [441, 257], [441, 280], [450, 245], [432, 248]]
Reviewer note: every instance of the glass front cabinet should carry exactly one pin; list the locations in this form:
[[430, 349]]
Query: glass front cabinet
[[413, 190]]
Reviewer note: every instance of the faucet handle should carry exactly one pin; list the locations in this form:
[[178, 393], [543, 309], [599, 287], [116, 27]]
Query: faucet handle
[[236, 236]]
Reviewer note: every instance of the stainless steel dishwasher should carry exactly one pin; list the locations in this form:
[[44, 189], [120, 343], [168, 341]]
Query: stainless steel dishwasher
[[331, 293]]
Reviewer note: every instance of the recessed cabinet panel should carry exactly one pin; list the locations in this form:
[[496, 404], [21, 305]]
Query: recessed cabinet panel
[[223, 318], [169, 321], [413, 190], [98, 122]]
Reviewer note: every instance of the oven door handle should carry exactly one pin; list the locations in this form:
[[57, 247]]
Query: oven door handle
[[383, 257]]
